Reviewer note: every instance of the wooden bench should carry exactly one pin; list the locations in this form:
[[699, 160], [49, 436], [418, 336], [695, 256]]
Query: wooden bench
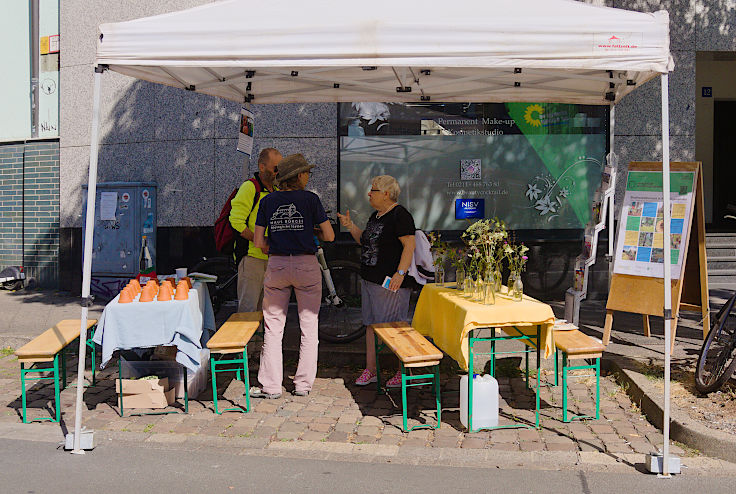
[[233, 337], [413, 350], [48, 347], [573, 344]]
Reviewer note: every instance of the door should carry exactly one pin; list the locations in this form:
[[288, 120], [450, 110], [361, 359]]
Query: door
[[724, 162]]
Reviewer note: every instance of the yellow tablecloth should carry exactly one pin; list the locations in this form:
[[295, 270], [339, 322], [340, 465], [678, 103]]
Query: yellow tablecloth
[[447, 317]]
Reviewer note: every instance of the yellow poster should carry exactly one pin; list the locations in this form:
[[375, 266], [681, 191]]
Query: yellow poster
[[632, 238]]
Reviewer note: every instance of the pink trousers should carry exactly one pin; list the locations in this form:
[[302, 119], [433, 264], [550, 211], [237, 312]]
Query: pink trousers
[[283, 273]]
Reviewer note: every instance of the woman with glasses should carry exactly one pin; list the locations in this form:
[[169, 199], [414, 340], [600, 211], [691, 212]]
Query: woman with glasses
[[387, 249], [291, 216]]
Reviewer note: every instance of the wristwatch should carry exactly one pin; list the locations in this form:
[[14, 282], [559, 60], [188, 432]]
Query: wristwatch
[[401, 272]]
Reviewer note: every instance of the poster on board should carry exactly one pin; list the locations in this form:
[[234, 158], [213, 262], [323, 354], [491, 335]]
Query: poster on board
[[245, 133], [640, 244]]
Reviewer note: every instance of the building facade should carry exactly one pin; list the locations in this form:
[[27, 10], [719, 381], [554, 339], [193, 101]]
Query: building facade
[[186, 142]]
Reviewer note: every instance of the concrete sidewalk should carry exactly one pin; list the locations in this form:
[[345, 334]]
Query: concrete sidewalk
[[341, 412]]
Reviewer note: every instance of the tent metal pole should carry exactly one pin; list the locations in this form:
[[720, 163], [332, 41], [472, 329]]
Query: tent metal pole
[[667, 270], [87, 263]]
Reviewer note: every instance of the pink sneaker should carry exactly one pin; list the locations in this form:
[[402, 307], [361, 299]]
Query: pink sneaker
[[394, 382], [365, 378]]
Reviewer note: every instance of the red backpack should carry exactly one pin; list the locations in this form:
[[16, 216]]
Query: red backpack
[[225, 234]]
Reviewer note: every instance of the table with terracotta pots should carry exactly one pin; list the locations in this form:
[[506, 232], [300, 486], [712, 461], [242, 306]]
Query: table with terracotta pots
[[167, 313]]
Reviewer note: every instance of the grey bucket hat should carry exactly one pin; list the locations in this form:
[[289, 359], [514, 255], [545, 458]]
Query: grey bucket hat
[[291, 166]]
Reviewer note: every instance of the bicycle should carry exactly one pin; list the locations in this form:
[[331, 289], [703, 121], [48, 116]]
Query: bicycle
[[225, 288], [339, 315], [717, 359]]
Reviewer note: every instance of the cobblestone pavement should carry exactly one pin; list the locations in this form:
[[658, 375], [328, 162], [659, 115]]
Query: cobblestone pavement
[[337, 411]]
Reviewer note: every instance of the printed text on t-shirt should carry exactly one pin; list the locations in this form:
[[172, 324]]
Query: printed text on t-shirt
[[286, 218]]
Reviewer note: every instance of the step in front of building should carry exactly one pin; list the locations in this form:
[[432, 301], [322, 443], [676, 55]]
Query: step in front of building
[[721, 252]]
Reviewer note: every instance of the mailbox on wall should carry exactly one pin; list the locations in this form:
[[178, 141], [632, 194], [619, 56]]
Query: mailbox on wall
[[124, 213]]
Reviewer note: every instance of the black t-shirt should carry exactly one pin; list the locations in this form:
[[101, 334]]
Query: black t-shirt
[[290, 217], [382, 247]]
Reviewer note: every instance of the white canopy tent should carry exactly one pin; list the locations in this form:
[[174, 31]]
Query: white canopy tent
[[287, 51]]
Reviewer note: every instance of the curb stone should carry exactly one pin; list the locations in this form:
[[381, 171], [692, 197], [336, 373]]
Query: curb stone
[[682, 428], [375, 453]]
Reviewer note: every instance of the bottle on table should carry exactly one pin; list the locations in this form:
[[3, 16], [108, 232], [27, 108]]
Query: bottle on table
[[145, 262]]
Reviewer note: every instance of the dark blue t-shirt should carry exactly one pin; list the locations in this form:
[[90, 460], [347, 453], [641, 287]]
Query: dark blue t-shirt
[[290, 217]]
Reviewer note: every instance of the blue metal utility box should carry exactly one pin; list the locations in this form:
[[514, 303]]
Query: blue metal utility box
[[124, 212]]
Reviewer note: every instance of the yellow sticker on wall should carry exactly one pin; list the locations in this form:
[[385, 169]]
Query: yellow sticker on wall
[[44, 45]]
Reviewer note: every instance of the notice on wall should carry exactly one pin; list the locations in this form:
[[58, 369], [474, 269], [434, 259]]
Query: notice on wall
[[245, 135], [640, 244], [108, 206]]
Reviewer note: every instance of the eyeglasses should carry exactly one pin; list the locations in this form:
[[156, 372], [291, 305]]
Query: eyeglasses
[[375, 190]]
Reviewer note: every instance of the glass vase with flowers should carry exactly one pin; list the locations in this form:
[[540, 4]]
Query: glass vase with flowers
[[484, 239], [516, 255], [457, 259], [439, 255]]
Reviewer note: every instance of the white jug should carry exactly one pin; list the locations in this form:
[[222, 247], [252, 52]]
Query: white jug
[[485, 401]]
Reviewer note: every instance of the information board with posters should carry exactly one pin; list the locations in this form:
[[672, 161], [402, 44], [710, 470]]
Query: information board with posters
[[640, 245], [637, 284]]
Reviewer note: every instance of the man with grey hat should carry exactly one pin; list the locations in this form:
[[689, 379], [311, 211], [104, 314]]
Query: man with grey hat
[[290, 217]]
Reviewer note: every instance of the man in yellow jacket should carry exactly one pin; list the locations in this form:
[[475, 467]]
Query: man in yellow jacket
[[243, 219]]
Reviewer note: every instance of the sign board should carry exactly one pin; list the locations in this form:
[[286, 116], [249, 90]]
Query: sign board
[[640, 244], [469, 209], [536, 165], [637, 284], [245, 133]]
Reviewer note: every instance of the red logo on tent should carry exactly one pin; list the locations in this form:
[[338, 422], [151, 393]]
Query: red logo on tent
[[613, 38]]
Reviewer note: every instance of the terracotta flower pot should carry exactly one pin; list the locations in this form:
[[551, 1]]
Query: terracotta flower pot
[[126, 296], [147, 294], [182, 292], [188, 280], [164, 293]]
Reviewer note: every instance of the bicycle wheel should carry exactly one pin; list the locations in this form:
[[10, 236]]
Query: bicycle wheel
[[547, 271], [342, 324], [225, 288], [717, 361]]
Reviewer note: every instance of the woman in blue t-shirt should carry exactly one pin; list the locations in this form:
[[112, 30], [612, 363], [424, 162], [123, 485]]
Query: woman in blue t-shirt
[[291, 215]]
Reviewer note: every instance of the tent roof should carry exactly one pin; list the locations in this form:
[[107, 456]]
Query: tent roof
[[326, 51]]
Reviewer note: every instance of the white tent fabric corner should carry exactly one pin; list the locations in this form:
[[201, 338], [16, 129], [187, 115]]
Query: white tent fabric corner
[[287, 51], [324, 51]]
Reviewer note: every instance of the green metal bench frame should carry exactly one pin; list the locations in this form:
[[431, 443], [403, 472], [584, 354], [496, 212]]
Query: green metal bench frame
[[54, 369], [54, 377], [565, 369], [531, 346], [405, 383], [246, 379]]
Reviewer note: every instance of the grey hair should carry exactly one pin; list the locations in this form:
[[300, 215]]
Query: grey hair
[[387, 183]]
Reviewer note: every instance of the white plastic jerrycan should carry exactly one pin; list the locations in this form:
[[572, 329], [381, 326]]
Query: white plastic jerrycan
[[485, 401]]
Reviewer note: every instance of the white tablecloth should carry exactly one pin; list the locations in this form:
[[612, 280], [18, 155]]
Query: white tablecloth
[[184, 323]]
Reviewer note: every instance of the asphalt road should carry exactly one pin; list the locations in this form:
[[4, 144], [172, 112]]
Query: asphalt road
[[36, 467]]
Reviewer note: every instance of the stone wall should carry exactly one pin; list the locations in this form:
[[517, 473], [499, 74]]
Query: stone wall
[[185, 142]]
